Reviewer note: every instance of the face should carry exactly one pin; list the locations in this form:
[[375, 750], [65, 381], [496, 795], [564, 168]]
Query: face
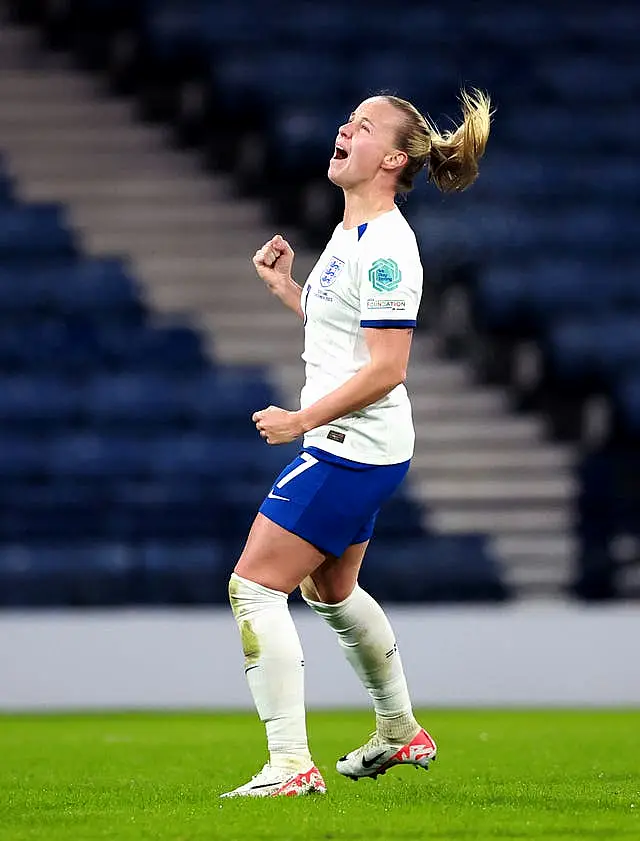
[[365, 145]]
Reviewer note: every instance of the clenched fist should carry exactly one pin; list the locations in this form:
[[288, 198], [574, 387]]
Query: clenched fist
[[273, 264]]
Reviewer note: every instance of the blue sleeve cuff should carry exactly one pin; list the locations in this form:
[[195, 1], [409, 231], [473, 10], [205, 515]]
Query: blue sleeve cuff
[[390, 322]]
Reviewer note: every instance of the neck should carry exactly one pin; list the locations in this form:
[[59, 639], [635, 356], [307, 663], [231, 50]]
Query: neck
[[364, 207]]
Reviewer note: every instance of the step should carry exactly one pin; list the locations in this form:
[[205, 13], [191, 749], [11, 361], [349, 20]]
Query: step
[[124, 190], [81, 139], [271, 320], [506, 431], [55, 116], [550, 520], [535, 548], [147, 215], [541, 579], [466, 403], [532, 458], [50, 88], [507, 492], [114, 165], [167, 245], [249, 350]]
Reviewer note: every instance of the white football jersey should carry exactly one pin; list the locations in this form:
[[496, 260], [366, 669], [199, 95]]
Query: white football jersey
[[369, 276]]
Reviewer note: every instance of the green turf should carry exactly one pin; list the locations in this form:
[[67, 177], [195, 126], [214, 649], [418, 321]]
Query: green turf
[[507, 775]]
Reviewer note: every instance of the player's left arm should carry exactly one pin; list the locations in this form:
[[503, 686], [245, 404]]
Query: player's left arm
[[389, 299], [389, 350]]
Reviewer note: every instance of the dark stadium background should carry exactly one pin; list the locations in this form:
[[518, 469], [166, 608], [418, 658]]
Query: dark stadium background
[[129, 469]]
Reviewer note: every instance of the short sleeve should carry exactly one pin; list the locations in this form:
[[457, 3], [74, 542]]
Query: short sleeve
[[390, 286]]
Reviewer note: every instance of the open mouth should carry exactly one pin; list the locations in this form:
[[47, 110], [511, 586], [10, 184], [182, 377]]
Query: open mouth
[[340, 154]]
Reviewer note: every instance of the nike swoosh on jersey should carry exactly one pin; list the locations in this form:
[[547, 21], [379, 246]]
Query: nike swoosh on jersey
[[271, 495]]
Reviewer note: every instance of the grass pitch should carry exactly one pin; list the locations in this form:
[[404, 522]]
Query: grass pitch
[[507, 775]]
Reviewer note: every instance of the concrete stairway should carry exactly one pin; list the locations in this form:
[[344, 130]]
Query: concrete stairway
[[476, 467]]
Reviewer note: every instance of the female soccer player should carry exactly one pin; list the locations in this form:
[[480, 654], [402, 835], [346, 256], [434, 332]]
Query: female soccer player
[[359, 308]]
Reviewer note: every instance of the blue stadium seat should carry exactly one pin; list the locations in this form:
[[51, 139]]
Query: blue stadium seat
[[63, 347], [66, 575], [172, 350], [225, 26], [6, 190], [88, 455], [627, 396], [297, 75], [53, 511], [34, 232], [133, 401], [22, 457], [395, 72], [38, 402], [434, 569], [222, 459], [171, 29], [331, 24], [586, 179], [301, 134], [617, 345], [571, 348], [223, 400], [400, 519], [585, 78], [175, 510], [101, 288], [604, 348], [418, 27], [570, 286], [499, 296], [22, 292], [185, 572]]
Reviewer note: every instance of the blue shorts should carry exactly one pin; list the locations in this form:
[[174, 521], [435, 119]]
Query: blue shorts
[[328, 501]]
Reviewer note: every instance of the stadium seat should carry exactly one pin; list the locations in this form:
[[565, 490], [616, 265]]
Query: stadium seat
[[187, 572], [97, 288], [67, 575], [172, 509], [224, 399], [6, 190], [173, 350], [434, 569], [34, 232], [627, 400], [82, 456], [22, 457], [38, 403], [136, 401], [54, 511]]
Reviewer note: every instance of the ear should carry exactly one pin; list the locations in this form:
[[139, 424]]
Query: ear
[[395, 160]]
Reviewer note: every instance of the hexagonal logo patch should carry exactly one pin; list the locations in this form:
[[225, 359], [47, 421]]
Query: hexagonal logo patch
[[384, 275]]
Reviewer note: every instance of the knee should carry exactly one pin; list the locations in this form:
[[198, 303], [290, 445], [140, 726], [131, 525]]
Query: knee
[[326, 590], [309, 591]]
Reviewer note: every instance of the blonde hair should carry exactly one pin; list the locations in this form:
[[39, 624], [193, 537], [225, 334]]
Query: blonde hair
[[452, 157]]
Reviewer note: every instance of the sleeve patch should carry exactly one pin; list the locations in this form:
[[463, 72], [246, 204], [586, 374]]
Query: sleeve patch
[[394, 304], [385, 275]]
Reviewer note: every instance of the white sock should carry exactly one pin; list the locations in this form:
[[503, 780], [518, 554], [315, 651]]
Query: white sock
[[274, 667], [367, 639]]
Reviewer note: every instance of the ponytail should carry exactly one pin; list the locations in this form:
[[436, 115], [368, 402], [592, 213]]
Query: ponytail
[[454, 155], [451, 158]]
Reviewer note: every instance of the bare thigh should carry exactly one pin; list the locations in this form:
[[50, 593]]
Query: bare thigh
[[276, 558], [334, 579]]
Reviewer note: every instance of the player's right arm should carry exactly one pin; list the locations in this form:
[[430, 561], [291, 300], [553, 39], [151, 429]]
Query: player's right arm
[[273, 263]]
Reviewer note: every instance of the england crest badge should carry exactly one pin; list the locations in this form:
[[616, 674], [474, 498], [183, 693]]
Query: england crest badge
[[331, 272]]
